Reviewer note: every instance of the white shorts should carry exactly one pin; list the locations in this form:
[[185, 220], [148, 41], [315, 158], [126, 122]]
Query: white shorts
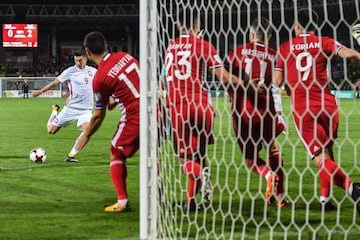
[[69, 115]]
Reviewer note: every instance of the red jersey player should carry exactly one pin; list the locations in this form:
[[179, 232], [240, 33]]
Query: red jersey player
[[117, 78], [304, 61], [191, 112], [254, 116]]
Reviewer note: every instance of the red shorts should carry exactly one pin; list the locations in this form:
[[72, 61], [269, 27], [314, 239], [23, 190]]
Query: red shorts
[[317, 127], [251, 133], [125, 141], [192, 126]]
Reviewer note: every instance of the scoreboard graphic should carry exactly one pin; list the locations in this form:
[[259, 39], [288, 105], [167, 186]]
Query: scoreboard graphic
[[20, 35]]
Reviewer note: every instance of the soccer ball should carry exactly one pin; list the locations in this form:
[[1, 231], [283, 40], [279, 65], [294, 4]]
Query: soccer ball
[[38, 155]]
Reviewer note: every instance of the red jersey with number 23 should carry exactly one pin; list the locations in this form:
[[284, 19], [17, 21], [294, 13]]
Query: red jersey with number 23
[[305, 60], [187, 58]]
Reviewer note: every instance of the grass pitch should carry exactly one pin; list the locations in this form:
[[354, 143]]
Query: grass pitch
[[59, 200]]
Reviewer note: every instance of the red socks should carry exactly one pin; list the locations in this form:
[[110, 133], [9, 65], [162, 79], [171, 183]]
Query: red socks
[[259, 167], [329, 171], [193, 170], [118, 175]]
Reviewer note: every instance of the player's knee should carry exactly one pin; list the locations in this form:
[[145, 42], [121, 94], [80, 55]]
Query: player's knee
[[122, 153], [84, 126]]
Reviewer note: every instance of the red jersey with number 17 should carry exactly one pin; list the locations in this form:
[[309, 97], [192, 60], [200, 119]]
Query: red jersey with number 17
[[305, 59], [187, 58], [118, 76]]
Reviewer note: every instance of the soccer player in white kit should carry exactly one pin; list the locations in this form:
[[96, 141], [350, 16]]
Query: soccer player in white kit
[[80, 102]]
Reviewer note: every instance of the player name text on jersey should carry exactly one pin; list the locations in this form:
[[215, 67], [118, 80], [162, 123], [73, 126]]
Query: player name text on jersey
[[303, 46], [258, 54], [119, 65], [180, 46]]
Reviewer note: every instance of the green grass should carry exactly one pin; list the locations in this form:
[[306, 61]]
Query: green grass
[[58, 200], [238, 210]]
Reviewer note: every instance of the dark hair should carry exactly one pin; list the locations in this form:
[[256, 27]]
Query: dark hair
[[95, 42], [80, 53], [307, 21], [262, 29], [187, 17]]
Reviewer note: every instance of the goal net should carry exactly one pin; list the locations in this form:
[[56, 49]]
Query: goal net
[[14, 87], [237, 208]]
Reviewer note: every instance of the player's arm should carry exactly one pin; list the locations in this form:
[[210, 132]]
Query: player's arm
[[47, 87], [276, 94], [278, 79], [351, 54], [161, 86], [225, 77], [95, 123]]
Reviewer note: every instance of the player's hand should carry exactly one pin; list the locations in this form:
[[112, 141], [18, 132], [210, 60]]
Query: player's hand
[[112, 104], [258, 86], [261, 87], [355, 31], [35, 93]]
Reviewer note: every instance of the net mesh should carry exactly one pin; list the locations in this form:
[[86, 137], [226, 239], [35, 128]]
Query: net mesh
[[14, 87], [238, 209]]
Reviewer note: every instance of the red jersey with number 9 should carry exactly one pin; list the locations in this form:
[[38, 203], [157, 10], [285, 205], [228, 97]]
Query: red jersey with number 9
[[305, 59], [186, 60]]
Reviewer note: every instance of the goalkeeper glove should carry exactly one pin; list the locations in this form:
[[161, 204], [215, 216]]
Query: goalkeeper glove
[[356, 32]]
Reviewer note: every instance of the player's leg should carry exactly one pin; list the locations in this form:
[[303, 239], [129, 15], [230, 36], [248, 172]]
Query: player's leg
[[330, 171], [182, 141], [325, 129], [192, 167], [118, 172], [82, 123], [272, 129], [276, 163], [247, 135], [205, 123], [52, 128], [307, 126], [124, 144]]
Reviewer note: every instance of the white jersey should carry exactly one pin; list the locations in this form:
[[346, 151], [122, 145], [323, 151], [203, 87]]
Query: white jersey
[[80, 87]]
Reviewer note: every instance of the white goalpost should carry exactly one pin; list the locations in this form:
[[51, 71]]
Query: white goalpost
[[238, 209], [148, 124], [13, 87]]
